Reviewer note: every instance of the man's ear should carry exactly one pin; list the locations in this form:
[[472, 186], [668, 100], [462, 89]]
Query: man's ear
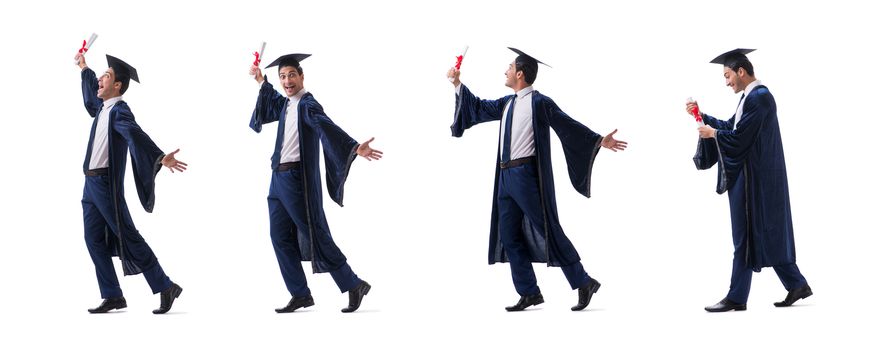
[[117, 87], [519, 74]]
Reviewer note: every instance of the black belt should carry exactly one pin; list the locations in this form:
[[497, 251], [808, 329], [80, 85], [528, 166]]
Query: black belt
[[516, 163], [288, 166], [97, 172]]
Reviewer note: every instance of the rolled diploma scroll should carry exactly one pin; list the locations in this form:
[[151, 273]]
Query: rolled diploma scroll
[[261, 54], [459, 61], [696, 111], [258, 56], [88, 43]]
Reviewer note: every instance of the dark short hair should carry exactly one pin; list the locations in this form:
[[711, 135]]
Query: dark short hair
[[528, 67], [740, 61], [124, 79], [295, 65]]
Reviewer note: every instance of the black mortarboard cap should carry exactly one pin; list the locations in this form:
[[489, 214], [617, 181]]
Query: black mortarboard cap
[[526, 59], [732, 56], [121, 69], [293, 59]]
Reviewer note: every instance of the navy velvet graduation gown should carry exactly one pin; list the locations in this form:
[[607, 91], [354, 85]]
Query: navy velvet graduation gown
[[580, 145], [753, 154], [124, 135], [339, 150]]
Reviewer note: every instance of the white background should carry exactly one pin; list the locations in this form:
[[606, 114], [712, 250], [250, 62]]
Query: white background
[[415, 224]]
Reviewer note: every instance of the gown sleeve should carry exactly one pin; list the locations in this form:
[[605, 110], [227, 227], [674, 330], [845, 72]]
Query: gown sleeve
[[339, 149], [145, 156], [471, 110], [580, 145], [718, 123], [734, 145], [269, 107], [89, 92]]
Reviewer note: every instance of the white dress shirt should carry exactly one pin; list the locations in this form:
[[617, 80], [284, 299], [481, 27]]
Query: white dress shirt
[[290, 151], [100, 145], [522, 138], [747, 91]]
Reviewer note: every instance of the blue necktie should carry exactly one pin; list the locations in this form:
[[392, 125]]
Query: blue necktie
[[506, 144]]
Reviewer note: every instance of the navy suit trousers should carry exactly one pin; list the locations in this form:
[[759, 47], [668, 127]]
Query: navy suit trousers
[[99, 218], [518, 197]]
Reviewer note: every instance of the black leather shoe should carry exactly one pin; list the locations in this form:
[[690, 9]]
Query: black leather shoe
[[356, 295], [167, 297], [108, 305], [525, 302], [794, 295], [585, 293], [726, 305], [296, 303]]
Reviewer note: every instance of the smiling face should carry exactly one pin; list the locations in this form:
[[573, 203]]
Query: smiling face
[[291, 80], [107, 86], [733, 79], [512, 76]]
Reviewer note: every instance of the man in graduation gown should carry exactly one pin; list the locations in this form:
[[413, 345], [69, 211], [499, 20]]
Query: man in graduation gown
[[109, 230], [299, 230], [525, 227], [751, 167]]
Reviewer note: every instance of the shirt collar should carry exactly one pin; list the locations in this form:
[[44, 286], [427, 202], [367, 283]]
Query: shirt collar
[[110, 102], [524, 91], [297, 97], [751, 86]]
